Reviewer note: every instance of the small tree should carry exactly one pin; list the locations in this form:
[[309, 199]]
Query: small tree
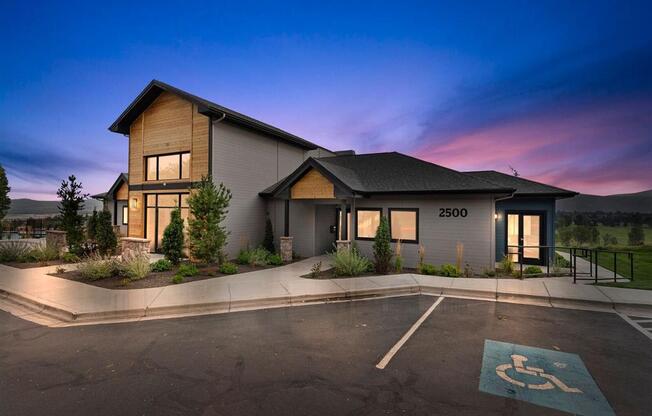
[[5, 202], [382, 248], [70, 204], [173, 239], [91, 226], [208, 208], [104, 234], [268, 241], [565, 235], [636, 235]]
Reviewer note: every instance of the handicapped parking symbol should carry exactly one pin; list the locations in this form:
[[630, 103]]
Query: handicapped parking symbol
[[550, 381], [554, 379]]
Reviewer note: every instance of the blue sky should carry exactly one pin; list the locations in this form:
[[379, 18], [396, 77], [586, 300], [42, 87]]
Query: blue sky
[[562, 91]]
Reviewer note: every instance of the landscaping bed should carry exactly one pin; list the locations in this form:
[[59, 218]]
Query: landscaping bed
[[155, 279], [31, 265]]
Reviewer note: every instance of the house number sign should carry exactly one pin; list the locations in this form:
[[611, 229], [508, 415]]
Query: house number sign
[[453, 212]]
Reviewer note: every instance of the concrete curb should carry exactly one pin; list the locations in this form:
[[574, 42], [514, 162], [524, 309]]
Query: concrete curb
[[65, 317]]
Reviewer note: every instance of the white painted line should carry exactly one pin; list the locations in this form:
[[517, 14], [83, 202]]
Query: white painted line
[[383, 363], [639, 328]]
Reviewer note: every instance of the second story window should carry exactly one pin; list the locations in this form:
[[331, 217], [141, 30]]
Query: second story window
[[167, 167]]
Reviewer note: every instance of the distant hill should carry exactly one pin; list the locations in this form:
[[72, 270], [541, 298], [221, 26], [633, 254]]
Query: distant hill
[[22, 208], [638, 202]]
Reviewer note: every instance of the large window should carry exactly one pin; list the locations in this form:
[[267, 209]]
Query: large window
[[366, 222], [167, 167], [159, 213], [404, 224]]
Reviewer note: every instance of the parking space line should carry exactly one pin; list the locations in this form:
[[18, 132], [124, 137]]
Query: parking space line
[[639, 328], [383, 363]]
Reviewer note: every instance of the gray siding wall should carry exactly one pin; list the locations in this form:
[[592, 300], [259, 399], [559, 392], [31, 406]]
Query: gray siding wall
[[547, 205], [439, 236], [248, 162]]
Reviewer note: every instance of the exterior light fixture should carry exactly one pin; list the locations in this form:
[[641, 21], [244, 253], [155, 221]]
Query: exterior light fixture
[[496, 216], [134, 203]]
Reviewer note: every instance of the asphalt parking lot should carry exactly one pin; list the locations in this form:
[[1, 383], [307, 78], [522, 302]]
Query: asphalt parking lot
[[318, 360]]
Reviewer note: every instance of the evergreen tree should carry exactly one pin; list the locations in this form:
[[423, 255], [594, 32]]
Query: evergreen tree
[[105, 237], [636, 235], [91, 226], [173, 238], [382, 249], [70, 204], [208, 208], [268, 241], [5, 202]]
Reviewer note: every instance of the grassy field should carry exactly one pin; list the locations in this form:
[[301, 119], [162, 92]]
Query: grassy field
[[621, 233]]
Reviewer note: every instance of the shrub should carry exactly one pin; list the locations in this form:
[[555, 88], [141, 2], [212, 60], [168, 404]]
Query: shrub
[[5, 201], [449, 270], [97, 267], [636, 236], [468, 270], [104, 235], [315, 270], [162, 265], [13, 252], [61, 269], [560, 261], [228, 268], [532, 270], [42, 254], [422, 255], [489, 273], [507, 265], [173, 239], [275, 260], [268, 241], [135, 267], [258, 257], [349, 263], [208, 209], [70, 257], [176, 279], [91, 226], [429, 269], [187, 270], [382, 249], [70, 205], [243, 257]]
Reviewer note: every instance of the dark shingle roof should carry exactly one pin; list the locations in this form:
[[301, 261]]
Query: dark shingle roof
[[155, 88], [524, 187], [384, 173]]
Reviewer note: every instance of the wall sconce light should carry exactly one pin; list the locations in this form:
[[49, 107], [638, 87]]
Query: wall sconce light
[[134, 203], [496, 216]]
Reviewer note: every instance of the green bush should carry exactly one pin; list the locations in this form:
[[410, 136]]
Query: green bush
[[560, 261], [489, 273], [268, 241], [258, 257], [70, 257], [105, 237], [243, 257], [349, 263], [382, 249], [275, 259], [176, 279], [91, 226], [315, 270], [532, 270], [162, 265], [97, 267], [449, 270], [135, 267], [429, 269], [173, 239], [228, 268], [13, 252], [506, 265], [43, 254], [187, 270]]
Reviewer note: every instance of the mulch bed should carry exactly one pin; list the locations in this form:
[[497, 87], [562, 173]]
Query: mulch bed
[[156, 279], [19, 265]]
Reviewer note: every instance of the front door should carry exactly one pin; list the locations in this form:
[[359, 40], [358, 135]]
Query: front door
[[525, 235]]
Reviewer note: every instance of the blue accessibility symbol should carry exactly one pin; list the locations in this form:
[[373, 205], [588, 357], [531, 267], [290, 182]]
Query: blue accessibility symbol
[[547, 378]]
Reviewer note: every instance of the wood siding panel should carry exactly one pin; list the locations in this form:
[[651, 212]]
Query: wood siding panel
[[167, 126], [123, 192], [313, 185], [136, 168], [199, 153], [136, 215]]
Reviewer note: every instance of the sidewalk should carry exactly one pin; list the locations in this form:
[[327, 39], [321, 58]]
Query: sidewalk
[[33, 295], [586, 270]]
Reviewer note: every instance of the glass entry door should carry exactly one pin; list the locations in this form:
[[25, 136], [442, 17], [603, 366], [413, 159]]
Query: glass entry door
[[528, 231]]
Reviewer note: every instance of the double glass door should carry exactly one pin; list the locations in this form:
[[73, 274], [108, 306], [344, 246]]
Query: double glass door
[[525, 233]]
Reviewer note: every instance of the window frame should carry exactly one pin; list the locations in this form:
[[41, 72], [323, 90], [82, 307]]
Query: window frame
[[156, 207], [357, 210], [389, 218], [180, 156], [125, 209]]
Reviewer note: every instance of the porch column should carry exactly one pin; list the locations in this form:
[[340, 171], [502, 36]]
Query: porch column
[[343, 223], [286, 231]]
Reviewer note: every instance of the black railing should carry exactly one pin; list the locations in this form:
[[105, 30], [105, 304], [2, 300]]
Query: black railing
[[592, 255]]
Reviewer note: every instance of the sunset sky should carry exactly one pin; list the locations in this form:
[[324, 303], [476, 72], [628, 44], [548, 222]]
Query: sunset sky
[[561, 91]]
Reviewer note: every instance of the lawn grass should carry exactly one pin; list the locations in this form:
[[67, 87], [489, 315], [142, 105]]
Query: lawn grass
[[622, 234], [642, 266]]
